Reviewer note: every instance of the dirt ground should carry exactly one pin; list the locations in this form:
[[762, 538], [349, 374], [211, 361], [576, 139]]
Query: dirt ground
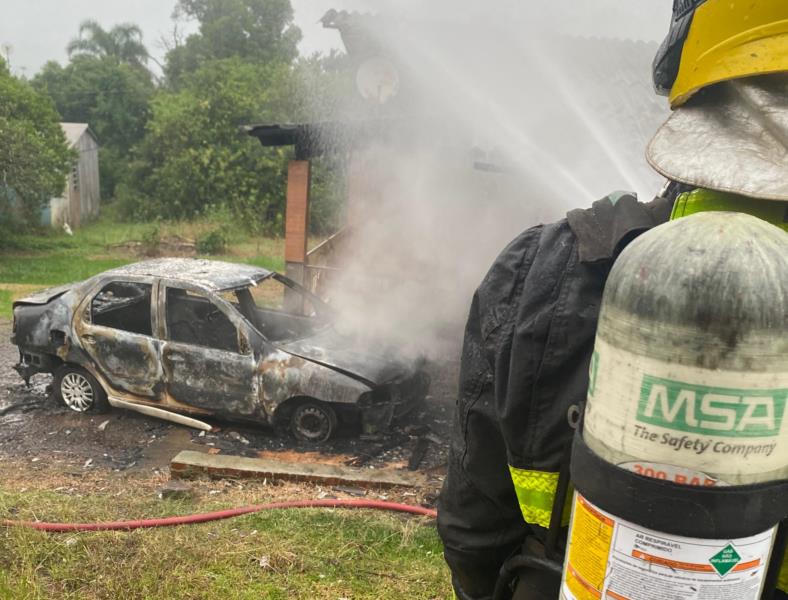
[[39, 435]]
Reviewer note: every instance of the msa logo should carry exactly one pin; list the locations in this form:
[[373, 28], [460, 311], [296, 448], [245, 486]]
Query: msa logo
[[711, 411]]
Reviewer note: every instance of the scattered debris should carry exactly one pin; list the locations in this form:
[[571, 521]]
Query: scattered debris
[[159, 246], [176, 490], [21, 407], [417, 430], [433, 438], [430, 500], [422, 444], [103, 426], [352, 491], [373, 452], [238, 437]]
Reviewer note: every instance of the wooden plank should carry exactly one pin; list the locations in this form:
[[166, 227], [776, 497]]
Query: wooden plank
[[297, 210], [189, 464]]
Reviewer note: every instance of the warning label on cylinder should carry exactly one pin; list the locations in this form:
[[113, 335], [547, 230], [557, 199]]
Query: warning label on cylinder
[[609, 558], [593, 535]]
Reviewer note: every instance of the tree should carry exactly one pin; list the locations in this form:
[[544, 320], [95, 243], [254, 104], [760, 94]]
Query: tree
[[260, 31], [322, 88], [107, 86], [122, 43], [34, 157], [112, 97], [194, 159]]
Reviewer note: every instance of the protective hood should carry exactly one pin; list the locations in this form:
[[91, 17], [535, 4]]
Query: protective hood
[[732, 137]]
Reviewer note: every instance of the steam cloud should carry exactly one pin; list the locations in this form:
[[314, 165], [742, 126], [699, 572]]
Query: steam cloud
[[526, 110]]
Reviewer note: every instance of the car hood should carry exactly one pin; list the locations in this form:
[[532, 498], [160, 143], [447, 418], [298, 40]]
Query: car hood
[[370, 363]]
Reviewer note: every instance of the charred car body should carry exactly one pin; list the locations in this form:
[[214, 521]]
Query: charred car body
[[185, 338]]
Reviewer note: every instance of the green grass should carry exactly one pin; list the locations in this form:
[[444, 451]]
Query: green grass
[[315, 554], [272, 263], [97, 235], [50, 257], [54, 269]]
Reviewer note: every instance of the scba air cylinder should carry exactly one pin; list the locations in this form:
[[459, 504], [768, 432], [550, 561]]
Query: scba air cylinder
[[681, 468]]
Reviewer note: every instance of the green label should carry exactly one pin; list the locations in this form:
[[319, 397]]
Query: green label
[[725, 560], [709, 410]]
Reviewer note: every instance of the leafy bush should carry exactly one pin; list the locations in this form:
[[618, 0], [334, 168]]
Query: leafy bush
[[213, 242], [328, 194], [193, 156], [150, 241], [34, 158], [111, 96]]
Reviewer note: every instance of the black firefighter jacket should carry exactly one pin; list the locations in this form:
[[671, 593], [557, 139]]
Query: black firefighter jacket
[[525, 358]]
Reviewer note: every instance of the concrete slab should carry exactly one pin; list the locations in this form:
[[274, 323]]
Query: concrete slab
[[189, 464]]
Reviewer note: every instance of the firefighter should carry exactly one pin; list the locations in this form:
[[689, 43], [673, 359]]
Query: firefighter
[[530, 332]]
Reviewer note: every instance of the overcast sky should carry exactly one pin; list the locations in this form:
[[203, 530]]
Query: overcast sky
[[38, 30]]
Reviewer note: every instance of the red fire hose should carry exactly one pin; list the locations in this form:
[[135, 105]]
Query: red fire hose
[[221, 514]]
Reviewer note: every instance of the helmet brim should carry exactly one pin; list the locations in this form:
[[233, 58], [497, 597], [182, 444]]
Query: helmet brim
[[732, 137]]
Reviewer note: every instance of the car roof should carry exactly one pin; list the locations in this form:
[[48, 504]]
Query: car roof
[[211, 274]]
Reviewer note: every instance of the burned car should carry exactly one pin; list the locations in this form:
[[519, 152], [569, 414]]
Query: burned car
[[182, 339]]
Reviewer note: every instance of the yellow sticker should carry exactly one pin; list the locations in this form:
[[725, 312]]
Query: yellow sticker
[[592, 533]]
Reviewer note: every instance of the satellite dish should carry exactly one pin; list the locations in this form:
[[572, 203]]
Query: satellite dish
[[377, 80]]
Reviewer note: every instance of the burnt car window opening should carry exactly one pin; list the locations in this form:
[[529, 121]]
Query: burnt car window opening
[[279, 311], [123, 305], [193, 318]]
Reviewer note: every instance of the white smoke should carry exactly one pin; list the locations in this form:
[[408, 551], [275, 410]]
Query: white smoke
[[531, 109]]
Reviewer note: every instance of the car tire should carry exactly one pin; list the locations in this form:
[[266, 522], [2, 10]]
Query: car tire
[[78, 390], [313, 421]]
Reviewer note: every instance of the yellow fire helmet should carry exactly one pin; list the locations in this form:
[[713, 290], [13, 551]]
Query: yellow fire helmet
[[718, 40]]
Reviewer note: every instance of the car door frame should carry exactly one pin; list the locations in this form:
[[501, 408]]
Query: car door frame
[[246, 360], [147, 387]]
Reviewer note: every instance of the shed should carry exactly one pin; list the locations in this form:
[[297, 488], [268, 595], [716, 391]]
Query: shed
[[81, 195]]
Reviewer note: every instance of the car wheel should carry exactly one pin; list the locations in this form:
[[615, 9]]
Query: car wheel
[[313, 421], [78, 390]]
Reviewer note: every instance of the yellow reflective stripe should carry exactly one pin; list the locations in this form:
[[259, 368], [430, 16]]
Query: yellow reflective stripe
[[536, 493], [782, 581]]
